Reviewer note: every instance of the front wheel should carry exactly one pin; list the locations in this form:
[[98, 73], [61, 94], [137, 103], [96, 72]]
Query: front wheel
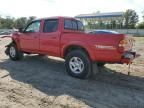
[[78, 64], [14, 53]]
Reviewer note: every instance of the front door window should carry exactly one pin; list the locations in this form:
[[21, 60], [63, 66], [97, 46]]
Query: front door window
[[33, 27]]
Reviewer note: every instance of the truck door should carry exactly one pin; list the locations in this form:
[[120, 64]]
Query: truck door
[[49, 39], [29, 39]]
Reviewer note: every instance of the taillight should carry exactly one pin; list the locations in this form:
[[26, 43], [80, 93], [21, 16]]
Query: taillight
[[123, 43]]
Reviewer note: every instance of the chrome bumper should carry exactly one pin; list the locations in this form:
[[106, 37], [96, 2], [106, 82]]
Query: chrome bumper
[[128, 57]]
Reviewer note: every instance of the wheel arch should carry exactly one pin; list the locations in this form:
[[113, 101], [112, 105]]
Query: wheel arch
[[16, 42], [72, 47]]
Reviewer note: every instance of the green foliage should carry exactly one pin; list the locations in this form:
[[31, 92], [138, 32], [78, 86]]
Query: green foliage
[[88, 26], [143, 14], [140, 25], [31, 18], [101, 25], [130, 19], [9, 22], [6, 23], [20, 22]]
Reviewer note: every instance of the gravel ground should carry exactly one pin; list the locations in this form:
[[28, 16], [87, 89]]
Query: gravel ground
[[42, 82]]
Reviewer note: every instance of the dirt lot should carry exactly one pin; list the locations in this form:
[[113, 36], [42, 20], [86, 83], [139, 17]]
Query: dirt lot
[[42, 82]]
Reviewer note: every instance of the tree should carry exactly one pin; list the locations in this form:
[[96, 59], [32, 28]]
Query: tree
[[0, 23], [7, 23], [130, 19], [31, 18], [140, 25], [10, 22], [143, 14], [20, 22]]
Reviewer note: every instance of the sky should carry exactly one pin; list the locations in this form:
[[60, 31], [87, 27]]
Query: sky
[[46, 8]]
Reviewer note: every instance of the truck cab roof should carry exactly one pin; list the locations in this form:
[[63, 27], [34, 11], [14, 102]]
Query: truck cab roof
[[56, 17]]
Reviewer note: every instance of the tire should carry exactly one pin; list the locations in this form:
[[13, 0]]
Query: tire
[[78, 64], [14, 53], [101, 64]]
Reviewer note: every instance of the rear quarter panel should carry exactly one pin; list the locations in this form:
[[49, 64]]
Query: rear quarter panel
[[105, 47], [76, 38], [101, 47]]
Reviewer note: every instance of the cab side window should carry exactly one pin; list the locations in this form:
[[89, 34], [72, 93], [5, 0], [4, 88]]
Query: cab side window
[[80, 26], [73, 25], [33, 27], [50, 26], [70, 24]]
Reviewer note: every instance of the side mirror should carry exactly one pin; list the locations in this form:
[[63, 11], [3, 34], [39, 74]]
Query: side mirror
[[20, 30]]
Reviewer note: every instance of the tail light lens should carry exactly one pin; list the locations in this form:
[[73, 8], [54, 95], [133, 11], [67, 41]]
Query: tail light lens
[[122, 45]]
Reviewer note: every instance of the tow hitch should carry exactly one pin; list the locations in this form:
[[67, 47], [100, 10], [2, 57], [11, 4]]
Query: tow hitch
[[129, 69]]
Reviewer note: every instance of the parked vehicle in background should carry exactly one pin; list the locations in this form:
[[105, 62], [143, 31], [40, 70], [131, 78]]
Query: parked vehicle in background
[[65, 37]]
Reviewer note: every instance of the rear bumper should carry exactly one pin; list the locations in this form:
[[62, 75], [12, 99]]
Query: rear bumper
[[128, 57]]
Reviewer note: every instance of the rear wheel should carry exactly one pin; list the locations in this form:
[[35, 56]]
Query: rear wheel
[[78, 64], [14, 53]]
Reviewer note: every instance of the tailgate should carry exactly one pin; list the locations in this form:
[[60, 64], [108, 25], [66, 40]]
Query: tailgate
[[129, 42]]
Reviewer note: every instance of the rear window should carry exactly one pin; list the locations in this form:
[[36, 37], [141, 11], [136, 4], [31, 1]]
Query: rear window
[[68, 24], [80, 26], [73, 25], [50, 25]]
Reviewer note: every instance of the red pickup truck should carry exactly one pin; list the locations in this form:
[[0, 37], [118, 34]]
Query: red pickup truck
[[65, 37]]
